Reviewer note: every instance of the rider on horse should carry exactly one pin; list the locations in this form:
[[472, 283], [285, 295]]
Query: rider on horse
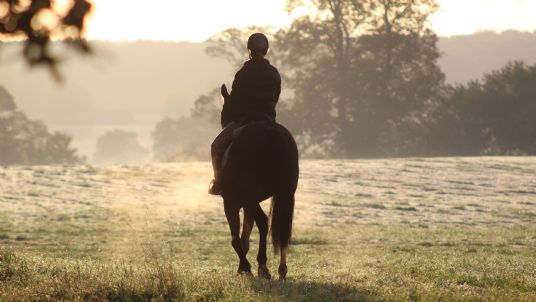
[[255, 92]]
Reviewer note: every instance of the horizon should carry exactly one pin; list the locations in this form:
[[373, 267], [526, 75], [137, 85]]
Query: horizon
[[478, 32]]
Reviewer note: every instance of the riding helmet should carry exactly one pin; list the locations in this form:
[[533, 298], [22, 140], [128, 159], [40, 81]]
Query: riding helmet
[[258, 41]]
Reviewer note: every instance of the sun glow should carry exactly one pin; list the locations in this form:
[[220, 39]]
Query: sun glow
[[179, 20]]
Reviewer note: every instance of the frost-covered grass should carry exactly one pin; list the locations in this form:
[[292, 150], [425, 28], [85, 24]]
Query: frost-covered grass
[[445, 229]]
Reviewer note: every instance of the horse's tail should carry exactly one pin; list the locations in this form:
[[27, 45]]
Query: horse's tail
[[287, 173], [281, 214]]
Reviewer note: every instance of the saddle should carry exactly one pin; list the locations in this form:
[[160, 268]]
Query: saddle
[[244, 123]]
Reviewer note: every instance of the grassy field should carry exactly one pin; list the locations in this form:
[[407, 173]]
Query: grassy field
[[441, 229]]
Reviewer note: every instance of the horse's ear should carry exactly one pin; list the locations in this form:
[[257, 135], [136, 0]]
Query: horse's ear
[[224, 92]]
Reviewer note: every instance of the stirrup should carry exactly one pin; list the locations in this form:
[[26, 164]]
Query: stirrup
[[214, 188]]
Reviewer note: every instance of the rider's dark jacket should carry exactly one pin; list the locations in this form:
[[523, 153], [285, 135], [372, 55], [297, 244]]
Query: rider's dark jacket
[[255, 92]]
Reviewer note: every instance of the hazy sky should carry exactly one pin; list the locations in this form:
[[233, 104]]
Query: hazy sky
[[196, 20]]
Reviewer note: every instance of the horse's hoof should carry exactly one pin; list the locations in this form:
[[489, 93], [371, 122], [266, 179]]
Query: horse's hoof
[[244, 272], [264, 273], [282, 270], [244, 268]]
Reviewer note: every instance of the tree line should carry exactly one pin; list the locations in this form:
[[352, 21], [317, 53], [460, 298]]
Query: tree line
[[362, 80]]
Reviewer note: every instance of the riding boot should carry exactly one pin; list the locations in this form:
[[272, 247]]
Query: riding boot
[[215, 184]]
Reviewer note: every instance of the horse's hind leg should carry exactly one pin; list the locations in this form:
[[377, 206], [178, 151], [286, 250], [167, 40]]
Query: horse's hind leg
[[247, 227], [282, 270], [233, 218], [262, 224]]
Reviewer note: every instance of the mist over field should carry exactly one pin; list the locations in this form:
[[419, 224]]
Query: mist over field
[[365, 230], [131, 86]]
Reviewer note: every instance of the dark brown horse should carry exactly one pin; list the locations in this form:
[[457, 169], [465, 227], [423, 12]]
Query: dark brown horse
[[262, 162]]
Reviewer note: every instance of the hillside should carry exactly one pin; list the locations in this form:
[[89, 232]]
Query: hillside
[[133, 85], [468, 57]]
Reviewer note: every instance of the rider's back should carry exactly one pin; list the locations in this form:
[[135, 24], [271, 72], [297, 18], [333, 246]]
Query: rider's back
[[256, 90]]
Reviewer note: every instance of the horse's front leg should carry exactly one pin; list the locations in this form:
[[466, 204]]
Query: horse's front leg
[[262, 224], [233, 218]]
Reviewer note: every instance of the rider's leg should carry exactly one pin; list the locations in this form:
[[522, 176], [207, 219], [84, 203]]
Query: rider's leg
[[218, 147]]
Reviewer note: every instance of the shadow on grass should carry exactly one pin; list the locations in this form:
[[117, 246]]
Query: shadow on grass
[[306, 290], [309, 241]]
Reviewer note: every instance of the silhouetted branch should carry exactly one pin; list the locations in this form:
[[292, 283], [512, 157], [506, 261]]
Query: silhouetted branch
[[37, 21]]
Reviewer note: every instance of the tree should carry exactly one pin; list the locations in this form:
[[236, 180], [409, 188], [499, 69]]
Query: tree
[[510, 100], [492, 116], [37, 21], [27, 142], [319, 48], [361, 69], [120, 146], [208, 107], [185, 138]]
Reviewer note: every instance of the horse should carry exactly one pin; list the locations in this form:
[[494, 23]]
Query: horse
[[262, 162]]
